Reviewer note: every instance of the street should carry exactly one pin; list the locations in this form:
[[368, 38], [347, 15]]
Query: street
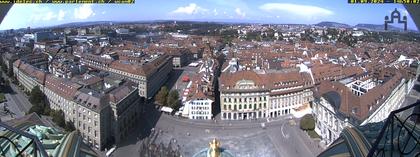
[[17, 102]]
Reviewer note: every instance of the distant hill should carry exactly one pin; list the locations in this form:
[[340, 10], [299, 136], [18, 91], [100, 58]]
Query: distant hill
[[370, 27], [329, 24], [82, 24], [333, 24], [376, 27]]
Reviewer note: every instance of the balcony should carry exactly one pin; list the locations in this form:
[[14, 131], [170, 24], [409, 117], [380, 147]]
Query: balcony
[[398, 135]]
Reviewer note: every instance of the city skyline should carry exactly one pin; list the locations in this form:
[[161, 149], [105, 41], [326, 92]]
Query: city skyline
[[275, 12]]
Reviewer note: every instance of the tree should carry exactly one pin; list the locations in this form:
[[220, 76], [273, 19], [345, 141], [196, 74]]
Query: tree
[[307, 122], [10, 72], [161, 96], [173, 99], [58, 118], [37, 99], [3, 66], [69, 126], [1, 78], [37, 109], [36, 96]]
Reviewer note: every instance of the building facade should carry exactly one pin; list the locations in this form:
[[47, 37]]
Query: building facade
[[248, 95], [200, 108], [103, 111], [149, 76], [357, 101], [329, 123]]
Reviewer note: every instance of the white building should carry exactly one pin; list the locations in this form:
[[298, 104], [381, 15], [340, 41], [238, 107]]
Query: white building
[[329, 121], [357, 101], [248, 95], [199, 106]]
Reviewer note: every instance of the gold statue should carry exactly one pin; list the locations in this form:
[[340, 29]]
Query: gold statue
[[214, 148]]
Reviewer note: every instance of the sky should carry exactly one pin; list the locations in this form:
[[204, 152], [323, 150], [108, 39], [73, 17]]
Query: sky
[[259, 11]]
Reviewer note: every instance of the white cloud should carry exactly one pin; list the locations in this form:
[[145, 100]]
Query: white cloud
[[43, 13], [103, 12], [49, 16], [83, 12], [190, 9], [301, 10], [239, 12], [61, 15], [215, 12]]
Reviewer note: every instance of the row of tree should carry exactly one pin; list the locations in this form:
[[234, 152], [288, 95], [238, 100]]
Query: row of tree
[[8, 71], [166, 98], [41, 107]]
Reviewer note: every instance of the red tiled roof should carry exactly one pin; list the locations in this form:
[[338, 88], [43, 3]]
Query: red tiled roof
[[62, 87]]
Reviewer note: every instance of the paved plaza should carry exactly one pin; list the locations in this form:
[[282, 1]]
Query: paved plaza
[[279, 137]]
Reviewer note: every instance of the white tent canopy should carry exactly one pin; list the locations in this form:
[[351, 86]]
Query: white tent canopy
[[166, 109]]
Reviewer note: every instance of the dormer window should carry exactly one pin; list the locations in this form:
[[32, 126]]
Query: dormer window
[[354, 111]]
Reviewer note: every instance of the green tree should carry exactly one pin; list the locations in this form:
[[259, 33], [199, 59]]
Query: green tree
[[70, 126], [58, 118], [307, 122], [173, 99], [10, 72], [37, 109], [37, 99], [161, 96], [3, 66], [36, 96], [1, 78]]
